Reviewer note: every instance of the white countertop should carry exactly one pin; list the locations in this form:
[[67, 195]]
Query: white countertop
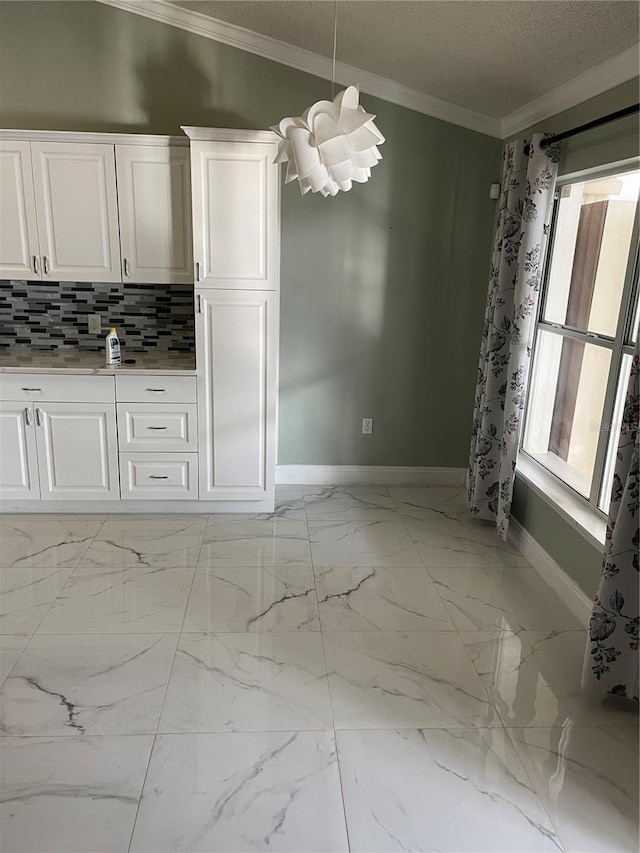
[[76, 361]]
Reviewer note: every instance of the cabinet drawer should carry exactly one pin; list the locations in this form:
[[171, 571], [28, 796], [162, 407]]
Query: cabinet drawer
[[162, 428], [71, 388], [159, 476], [157, 389]]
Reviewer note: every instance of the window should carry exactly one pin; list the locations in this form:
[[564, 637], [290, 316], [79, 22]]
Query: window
[[587, 325]]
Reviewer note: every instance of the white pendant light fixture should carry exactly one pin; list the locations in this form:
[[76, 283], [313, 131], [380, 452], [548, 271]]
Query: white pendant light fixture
[[333, 143]]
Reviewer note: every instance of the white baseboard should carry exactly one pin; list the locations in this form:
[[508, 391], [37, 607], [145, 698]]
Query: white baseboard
[[367, 475], [567, 590]]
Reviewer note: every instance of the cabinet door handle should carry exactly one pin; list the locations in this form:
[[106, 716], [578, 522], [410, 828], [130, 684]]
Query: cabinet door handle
[[126, 267], [152, 427], [36, 265], [157, 390], [33, 390], [158, 477], [197, 270], [199, 303], [27, 415], [39, 416], [45, 264]]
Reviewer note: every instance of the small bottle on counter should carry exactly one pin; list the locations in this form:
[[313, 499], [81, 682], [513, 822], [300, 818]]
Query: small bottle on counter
[[113, 348]]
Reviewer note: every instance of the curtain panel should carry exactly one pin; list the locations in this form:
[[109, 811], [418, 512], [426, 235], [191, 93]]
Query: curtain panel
[[524, 210], [611, 659]]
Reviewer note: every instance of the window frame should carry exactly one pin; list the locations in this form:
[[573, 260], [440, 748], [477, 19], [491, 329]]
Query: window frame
[[620, 345]]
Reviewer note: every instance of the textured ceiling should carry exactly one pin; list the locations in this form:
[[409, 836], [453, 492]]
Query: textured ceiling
[[492, 56]]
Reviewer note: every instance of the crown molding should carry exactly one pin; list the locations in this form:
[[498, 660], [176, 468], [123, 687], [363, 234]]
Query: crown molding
[[310, 62], [224, 134], [10, 134], [607, 75]]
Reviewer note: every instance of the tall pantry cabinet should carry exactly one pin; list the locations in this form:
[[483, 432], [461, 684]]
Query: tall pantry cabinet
[[236, 236]]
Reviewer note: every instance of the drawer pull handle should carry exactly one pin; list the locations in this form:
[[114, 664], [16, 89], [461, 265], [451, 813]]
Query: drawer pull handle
[[158, 477], [157, 390], [34, 390], [152, 427]]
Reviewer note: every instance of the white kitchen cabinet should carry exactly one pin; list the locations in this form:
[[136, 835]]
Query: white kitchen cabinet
[[159, 476], [18, 460], [77, 451], [235, 191], [19, 247], [76, 210], [236, 348], [154, 200]]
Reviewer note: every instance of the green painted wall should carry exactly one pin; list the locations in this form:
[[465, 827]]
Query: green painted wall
[[383, 288], [616, 141]]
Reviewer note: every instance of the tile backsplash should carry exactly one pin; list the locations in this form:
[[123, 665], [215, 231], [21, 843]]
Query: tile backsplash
[[50, 315]]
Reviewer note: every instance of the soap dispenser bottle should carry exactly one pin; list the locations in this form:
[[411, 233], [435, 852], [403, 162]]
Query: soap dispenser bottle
[[113, 348]]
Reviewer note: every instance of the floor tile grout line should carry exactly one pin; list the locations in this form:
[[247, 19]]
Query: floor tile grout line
[[326, 667], [164, 698]]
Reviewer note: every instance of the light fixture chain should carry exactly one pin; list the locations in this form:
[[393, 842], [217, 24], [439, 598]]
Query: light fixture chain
[[335, 42]]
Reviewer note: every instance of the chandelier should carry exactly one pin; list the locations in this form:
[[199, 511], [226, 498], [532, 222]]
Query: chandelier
[[331, 144]]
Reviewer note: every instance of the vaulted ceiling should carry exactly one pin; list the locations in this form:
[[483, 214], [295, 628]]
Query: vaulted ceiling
[[491, 56], [497, 66]]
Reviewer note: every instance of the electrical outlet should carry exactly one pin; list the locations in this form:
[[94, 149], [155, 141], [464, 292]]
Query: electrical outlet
[[367, 426], [95, 324]]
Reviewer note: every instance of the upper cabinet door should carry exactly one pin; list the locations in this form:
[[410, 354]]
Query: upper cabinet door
[[154, 197], [19, 250], [77, 211], [235, 215]]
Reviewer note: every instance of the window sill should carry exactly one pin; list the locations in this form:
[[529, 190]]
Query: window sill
[[589, 523]]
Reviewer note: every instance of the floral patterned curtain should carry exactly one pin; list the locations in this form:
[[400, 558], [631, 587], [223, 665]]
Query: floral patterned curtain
[[524, 210], [611, 659]]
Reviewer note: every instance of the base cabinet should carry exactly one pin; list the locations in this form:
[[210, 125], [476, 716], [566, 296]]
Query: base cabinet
[[58, 451], [77, 451], [18, 459], [236, 348]]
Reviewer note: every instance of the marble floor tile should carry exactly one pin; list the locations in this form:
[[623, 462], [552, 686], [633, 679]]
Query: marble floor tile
[[389, 680], [431, 503], [88, 684], [130, 601], [228, 793], [247, 682], [153, 526], [49, 524], [349, 503], [587, 778], [266, 542], [27, 551], [463, 791], [370, 598], [128, 551], [508, 599], [70, 794], [26, 594], [362, 543], [11, 647], [461, 542], [253, 599], [533, 678]]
